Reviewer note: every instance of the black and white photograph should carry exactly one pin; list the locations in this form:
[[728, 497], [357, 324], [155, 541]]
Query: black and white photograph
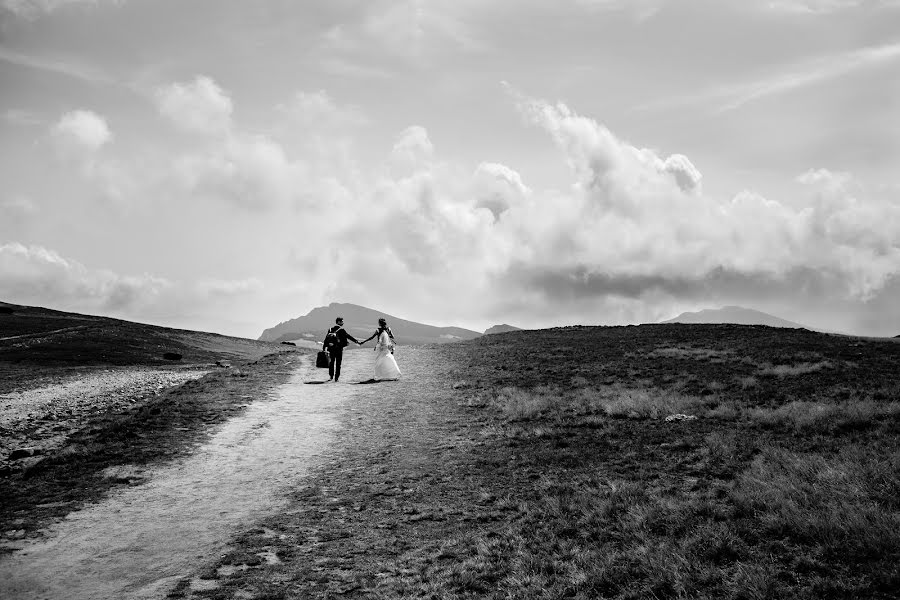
[[449, 299]]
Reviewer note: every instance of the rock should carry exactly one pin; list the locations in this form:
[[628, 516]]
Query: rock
[[20, 453], [223, 363], [680, 417], [172, 356]]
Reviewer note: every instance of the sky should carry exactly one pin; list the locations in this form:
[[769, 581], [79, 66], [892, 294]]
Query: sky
[[225, 165]]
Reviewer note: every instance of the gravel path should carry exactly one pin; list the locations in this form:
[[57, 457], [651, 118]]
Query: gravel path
[[41, 418], [141, 539]]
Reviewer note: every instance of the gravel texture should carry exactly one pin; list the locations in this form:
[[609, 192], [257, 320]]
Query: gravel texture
[[37, 420]]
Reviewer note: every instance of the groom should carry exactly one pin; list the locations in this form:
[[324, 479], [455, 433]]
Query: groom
[[336, 350]]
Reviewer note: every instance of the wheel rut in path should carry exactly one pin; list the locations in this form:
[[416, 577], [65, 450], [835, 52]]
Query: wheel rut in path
[[140, 540]]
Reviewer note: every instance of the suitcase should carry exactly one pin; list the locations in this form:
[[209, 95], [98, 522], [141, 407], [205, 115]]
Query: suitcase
[[322, 359]]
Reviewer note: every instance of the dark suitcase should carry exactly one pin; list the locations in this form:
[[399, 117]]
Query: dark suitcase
[[322, 359]]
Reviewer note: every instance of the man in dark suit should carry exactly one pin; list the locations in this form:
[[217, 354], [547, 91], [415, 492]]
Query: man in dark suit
[[336, 348]]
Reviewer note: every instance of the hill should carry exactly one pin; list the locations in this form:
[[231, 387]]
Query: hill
[[361, 322], [33, 338], [501, 329], [736, 315]]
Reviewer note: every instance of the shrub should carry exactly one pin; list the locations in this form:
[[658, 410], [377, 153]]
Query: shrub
[[612, 401], [518, 404], [798, 369], [806, 416]]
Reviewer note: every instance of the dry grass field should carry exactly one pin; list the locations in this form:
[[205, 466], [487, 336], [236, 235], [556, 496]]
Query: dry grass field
[[653, 461], [541, 464]]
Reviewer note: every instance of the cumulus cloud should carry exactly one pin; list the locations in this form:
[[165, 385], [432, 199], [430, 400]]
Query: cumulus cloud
[[497, 187], [250, 171], [644, 225], [82, 129], [317, 110], [413, 147], [199, 106], [685, 173], [633, 231], [38, 275]]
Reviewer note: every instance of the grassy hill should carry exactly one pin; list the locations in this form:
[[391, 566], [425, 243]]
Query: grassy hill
[[40, 340]]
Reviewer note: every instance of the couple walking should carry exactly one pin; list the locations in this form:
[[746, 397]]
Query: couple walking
[[336, 340]]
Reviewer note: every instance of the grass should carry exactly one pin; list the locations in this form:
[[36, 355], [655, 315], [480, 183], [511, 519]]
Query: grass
[[827, 417], [571, 484], [803, 368], [846, 506], [517, 404]]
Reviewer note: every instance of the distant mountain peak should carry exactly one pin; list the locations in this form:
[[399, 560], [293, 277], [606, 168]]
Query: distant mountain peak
[[361, 322], [737, 315], [501, 329]]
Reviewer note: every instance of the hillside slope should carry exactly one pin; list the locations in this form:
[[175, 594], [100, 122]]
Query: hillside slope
[[33, 337]]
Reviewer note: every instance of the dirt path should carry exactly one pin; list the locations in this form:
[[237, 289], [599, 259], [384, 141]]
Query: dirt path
[[402, 491], [141, 539]]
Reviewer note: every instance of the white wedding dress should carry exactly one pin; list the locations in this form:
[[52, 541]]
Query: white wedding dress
[[386, 368]]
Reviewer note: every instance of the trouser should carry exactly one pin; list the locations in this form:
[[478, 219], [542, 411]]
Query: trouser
[[334, 363]]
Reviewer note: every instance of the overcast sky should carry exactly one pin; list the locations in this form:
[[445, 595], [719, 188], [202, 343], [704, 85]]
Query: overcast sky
[[226, 165]]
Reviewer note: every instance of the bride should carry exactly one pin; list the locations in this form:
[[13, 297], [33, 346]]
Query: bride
[[386, 368]]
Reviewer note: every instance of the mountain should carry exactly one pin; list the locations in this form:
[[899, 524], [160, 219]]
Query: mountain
[[501, 329], [734, 314], [360, 322]]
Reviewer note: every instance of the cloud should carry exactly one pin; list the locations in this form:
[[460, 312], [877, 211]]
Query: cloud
[[497, 187], [825, 178], [250, 171], [317, 110], [824, 7], [83, 129], [728, 97], [634, 231], [40, 276], [200, 106], [32, 9], [412, 147], [229, 287], [55, 64], [641, 9], [640, 224], [18, 116], [16, 212]]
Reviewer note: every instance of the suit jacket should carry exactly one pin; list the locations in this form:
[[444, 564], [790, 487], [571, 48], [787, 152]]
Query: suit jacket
[[342, 336]]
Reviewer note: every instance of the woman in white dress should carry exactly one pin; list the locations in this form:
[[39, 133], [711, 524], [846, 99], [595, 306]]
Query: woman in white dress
[[386, 368]]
